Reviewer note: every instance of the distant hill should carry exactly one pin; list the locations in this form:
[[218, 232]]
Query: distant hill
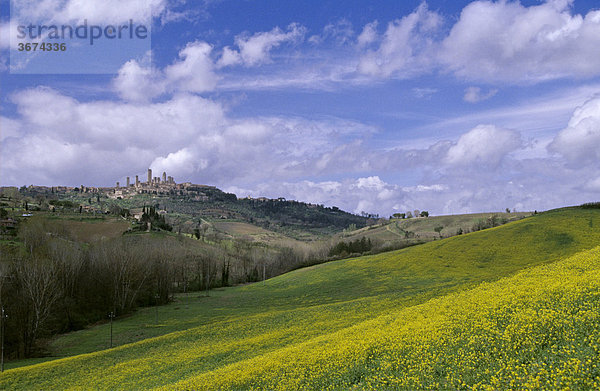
[[423, 229], [186, 208]]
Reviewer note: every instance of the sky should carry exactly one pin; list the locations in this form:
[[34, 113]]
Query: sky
[[371, 106]]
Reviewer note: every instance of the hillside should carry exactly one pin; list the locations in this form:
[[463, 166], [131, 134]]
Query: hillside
[[186, 208], [539, 329], [402, 232], [361, 317]]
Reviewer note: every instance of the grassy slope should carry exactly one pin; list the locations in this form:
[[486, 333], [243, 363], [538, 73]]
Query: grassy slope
[[92, 230], [451, 223], [247, 231], [72, 226], [424, 228], [308, 305], [539, 329]]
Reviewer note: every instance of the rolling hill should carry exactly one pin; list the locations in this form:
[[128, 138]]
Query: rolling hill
[[185, 209], [516, 304], [398, 233]]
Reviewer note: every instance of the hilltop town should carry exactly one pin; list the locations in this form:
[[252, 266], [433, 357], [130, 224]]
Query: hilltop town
[[163, 185]]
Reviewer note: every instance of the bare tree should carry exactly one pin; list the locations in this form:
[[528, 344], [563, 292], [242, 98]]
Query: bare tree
[[126, 271], [40, 291]]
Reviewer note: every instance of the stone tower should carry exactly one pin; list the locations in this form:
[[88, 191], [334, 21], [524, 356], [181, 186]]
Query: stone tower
[[164, 178], [149, 176], [137, 181], [128, 183]]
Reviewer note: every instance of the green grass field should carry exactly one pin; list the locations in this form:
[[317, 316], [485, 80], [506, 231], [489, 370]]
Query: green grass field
[[423, 229], [245, 231], [414, 318]]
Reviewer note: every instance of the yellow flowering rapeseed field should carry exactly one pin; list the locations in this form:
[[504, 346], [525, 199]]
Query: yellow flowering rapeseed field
[[514, 307], [539, 329]]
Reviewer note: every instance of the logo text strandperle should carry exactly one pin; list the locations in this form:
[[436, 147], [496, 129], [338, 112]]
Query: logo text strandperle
[[83, 31]]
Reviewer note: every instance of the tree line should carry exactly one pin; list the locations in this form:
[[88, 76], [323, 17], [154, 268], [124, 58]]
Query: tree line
[[54, 285], [358, 246]]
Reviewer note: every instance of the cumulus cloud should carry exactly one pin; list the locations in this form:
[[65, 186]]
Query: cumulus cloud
[[475, 94], [579, 142], [135, 82], [183, 162], [483, 145], [506, 41], [244, 151], [254, 50], [491, 42], [193, 73], [97, 140], [405, 46], [189, 136], [106, 11]]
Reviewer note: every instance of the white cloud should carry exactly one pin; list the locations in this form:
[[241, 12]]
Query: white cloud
[[374, 195], [190, 137], [368, 35], [255, 49], [535, 185], [111, 11], [475, 94], [9, 128], [195, 71], [492, 43], [113, 125], [405, 47], [229, 57], [484, 145], [506, 41], [106, 11], [137, 83], [183, 163], [579, 142], [340, 32], [372, 182]]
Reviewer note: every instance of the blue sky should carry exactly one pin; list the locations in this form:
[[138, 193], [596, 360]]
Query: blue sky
[[375, 106]]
